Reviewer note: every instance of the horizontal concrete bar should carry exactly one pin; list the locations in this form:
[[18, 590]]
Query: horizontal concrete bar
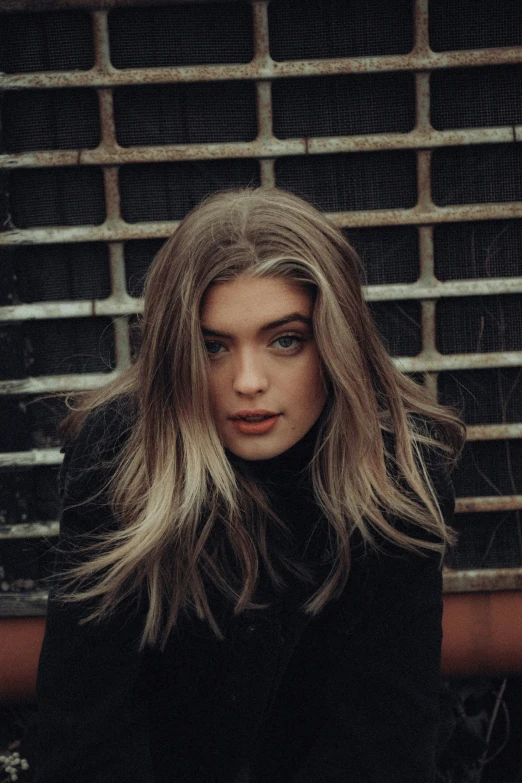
[[118, 230], [112, 306], [56, 383], [494, 432], [482, 580], [30, 530], [473, 505], [32, 458], [262, 68], [28, 604], [111, 154], [436, 362]]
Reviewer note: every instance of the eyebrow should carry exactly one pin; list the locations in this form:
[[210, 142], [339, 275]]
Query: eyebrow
[[266, 328]]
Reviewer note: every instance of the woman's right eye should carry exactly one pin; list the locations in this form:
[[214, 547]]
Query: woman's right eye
[[209, 343]]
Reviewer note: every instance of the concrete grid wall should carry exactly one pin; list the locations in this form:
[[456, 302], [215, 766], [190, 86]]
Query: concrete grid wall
[[426, 189]]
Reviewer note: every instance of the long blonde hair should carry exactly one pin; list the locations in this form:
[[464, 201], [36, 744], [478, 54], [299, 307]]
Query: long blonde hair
[[172, 488]]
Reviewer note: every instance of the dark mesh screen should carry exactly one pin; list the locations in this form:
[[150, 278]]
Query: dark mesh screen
[[30, 422], [26, 564], [186, 34], [459, 24], [63, 346], [138, 258], [45, 414], [58, 41], [7, 277], [389, 254], [479, 324], [50, 120], [366, 180], [487, 541], [57, 197], [491, 248], [15, 432], [169, 190], [399, 324], [484, 396], [476, 97], [12, 352], [474, 175], [491, 467], [343, 105], [55, 272], [33, 496], [186, 113], [306, 29], [134, 334]]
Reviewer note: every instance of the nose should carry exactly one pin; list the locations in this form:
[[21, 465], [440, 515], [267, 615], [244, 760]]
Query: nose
[[250, 376]]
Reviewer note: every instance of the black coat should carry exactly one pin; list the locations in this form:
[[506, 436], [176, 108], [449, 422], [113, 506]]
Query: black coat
[[351, 695]]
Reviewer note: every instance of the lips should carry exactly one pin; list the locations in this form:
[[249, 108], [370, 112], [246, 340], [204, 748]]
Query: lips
[[253, 415], [260, 426]]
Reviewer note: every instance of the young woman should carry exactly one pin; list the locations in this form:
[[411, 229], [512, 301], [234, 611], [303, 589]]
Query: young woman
[[253, 521]]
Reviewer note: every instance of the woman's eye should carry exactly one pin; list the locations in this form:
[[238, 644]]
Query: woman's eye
[[207, 346], [289, 337]]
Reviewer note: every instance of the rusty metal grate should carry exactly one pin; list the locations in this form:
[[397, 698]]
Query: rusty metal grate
[[401, 119]]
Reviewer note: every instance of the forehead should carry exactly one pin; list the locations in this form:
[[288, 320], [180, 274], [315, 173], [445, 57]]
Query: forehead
[[254, 300]]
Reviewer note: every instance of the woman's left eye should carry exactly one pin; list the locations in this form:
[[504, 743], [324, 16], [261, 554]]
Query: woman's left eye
[[289, 337]]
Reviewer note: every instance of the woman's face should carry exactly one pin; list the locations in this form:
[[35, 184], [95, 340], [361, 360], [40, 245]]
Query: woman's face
[[254, 365]]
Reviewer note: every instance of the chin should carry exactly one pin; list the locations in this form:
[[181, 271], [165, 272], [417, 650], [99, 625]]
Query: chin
[[255, 451]]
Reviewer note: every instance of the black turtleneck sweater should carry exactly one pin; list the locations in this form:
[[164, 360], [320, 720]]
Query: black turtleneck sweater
[[286, 478], [348, 696]]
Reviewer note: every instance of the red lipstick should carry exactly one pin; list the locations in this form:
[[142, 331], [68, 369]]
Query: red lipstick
[[260, 427]]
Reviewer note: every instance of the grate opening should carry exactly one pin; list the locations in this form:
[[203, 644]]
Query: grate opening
[[56, 347], [490, 248], [15, 432], [184, 34], [134, 335], [186, 114], [389, 255], [343, 105], [355, 181], [480, 324], [67, 196], [490, 467], [26, 564], [62, 272], [57, 41], [12, 364], [484, 396], [487, 541], [399, 324], [138, 258], [7, 277], [30, 422], [455, 24], [476, 175], [169, 190], [28, 495], [50, 120], [307, 30], [476, 97]]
